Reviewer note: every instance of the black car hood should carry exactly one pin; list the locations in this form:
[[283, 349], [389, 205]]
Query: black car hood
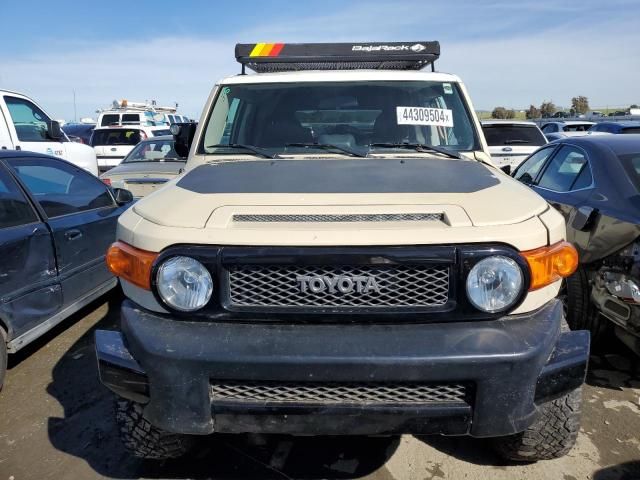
[[341, 176]]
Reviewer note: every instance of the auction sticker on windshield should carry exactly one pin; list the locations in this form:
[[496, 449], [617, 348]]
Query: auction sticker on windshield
[[424, 116]]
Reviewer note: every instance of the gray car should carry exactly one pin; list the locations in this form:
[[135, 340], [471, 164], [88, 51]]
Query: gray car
[[149, 165]]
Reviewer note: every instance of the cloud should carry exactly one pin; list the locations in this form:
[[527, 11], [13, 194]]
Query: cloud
[[164, 69], [506, 55], [600, 61]]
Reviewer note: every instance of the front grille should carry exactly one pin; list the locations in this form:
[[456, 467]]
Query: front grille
[[338, 393], [396, 286], [322, 218]]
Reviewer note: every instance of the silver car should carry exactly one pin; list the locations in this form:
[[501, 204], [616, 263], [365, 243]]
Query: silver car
[[149, 165]]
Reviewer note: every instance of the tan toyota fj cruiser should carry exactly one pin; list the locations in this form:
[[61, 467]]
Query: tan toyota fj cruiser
[[341, 258]]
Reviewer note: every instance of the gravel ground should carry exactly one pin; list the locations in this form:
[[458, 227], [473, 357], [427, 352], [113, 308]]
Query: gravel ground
[[57, 422]]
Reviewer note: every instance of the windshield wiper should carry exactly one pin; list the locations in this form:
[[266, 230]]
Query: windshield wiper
[[418, 147], [511, 142], [257, 150], [329, 146]]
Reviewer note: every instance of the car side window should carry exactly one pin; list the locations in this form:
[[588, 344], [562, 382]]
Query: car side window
[[15, 209], [568, 170], [528, 171], [29, 121], [131, 117], [61, 188], [110, 119]]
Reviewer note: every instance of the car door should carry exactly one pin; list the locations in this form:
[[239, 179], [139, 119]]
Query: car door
[[5, 139], [29, 125], [30, 292], [82, 215], [567, 183]]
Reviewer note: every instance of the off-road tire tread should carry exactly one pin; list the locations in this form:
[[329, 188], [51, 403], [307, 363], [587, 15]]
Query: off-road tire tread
[[3, 360], [552, 435], [581, 315], [143, 439]]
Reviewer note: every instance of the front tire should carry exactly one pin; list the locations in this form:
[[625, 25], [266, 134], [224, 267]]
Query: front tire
[[144, 440], [579, 311], [551, 436]]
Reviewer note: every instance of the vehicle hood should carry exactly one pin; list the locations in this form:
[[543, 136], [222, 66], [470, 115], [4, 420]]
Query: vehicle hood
[[572, 134], [463, 195], [163, 169]]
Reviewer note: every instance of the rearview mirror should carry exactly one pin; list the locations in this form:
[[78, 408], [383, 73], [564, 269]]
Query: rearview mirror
[[122, 196], [54, 132], [183, 134]]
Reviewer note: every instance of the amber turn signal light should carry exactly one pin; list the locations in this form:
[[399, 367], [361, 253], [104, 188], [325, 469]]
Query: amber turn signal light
[[549, 264], [131, 264]]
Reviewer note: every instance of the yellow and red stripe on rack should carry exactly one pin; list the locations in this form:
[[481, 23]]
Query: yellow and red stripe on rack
[[266, 50]]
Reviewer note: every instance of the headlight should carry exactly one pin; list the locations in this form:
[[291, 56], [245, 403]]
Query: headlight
[[184, 284], [494, 284]]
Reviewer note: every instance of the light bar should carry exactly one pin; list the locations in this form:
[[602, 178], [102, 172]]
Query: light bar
[[278, 57]]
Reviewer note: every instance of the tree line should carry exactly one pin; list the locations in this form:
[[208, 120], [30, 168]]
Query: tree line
[[579, 106]]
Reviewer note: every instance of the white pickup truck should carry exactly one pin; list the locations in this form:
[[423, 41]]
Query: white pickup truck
[[25, 126]]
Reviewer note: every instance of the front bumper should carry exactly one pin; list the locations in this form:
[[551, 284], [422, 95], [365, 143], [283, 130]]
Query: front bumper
[[512, 364]]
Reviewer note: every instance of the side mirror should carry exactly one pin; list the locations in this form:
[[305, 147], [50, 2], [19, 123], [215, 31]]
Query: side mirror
[[183, 134], [506, 169], [122, 196], [584, 218], [54, 132]]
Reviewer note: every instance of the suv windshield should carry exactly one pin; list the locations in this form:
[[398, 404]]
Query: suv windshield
[[513, 135], [291, 117], [154, 151], [115, 136]]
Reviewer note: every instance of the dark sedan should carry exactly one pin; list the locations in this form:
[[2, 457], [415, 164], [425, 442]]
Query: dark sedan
[[594, 181], [627, 127], [56, 223], [80, 131]]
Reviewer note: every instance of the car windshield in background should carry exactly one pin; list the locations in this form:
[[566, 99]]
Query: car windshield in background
[[351, 115], [116, 136], [581, 127], [513, 135], [631, 163], [154, 151]]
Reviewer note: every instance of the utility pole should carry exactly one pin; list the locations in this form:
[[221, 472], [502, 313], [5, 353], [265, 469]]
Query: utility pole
[[75, 113]]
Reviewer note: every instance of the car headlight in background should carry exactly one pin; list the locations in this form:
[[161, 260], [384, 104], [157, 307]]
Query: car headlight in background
[[494, 284], [184, 283]]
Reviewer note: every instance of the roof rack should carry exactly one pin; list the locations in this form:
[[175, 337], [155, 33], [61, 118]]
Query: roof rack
[[281, 57], [126, 105]]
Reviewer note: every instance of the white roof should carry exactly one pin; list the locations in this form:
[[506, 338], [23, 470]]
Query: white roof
[[133, 126], [572, 122], [507, 122], [12, 92], [125, 110], [340, 76]]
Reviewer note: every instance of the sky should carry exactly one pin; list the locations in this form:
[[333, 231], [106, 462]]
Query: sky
[[509, 53]]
